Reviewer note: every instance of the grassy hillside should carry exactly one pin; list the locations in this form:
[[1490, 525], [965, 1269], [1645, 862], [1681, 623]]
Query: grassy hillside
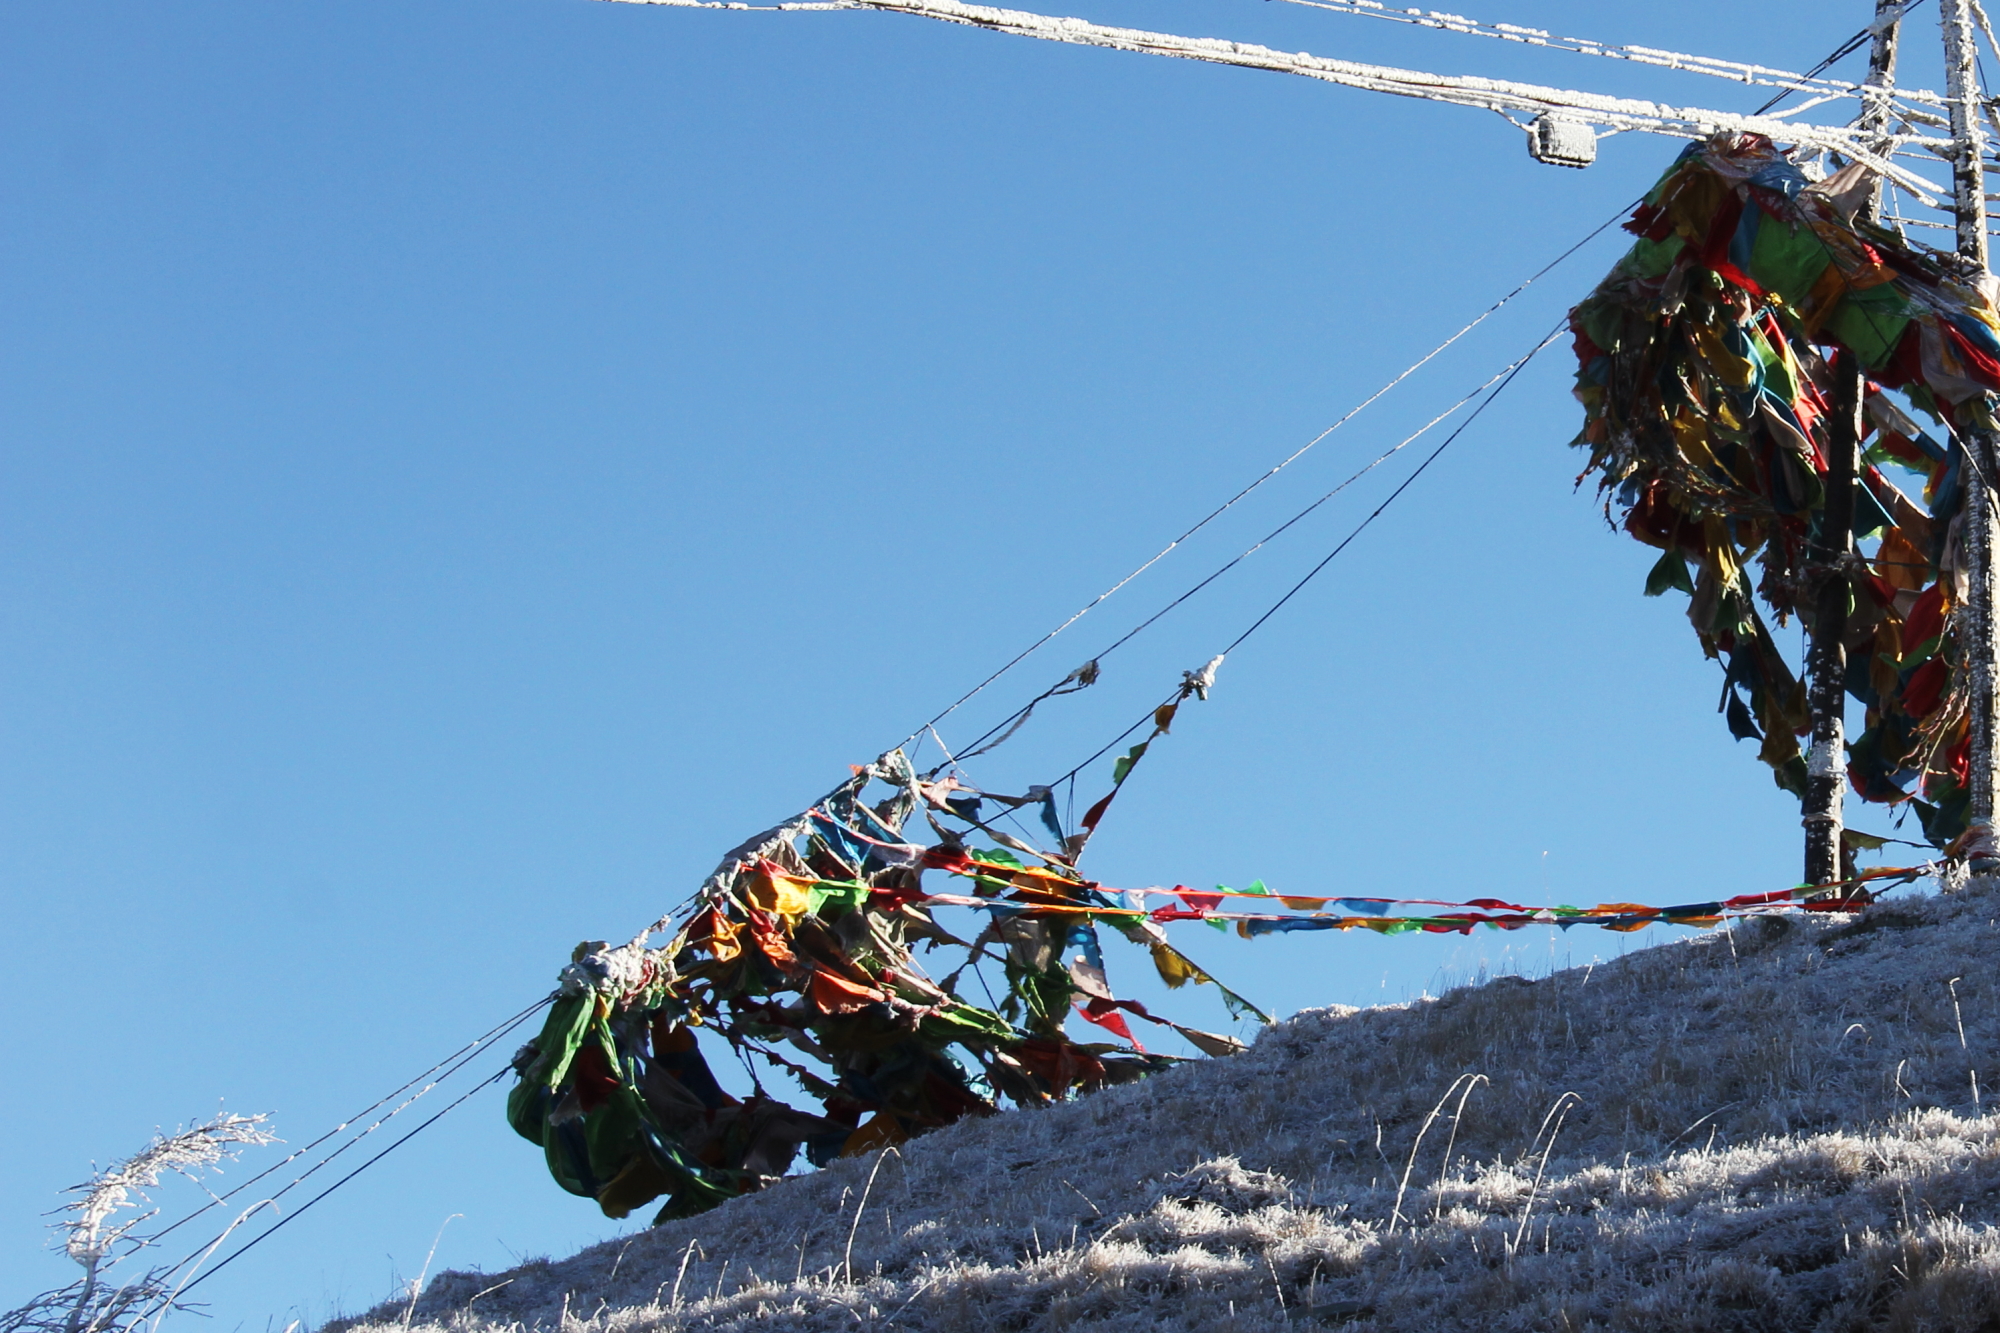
[[1778, 1128]]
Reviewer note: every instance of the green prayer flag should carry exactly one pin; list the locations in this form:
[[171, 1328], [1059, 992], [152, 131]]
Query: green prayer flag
[[1238, 1006], [1670, 572], [562, 1035], [1870, 323], [1788, 260], [1652, 259], [1124, 765]]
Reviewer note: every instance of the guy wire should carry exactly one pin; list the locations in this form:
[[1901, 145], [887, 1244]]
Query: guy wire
[[1504, 379], [266, 1234], [1841, 52], [1296, 454], [457, 1060], [297, 1153]]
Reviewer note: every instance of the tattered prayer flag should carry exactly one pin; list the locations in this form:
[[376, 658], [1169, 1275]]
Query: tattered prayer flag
[[1238, 1007], [1088, 977], [1049, 820], [1200, 902], [1174, 967], [1210, 1043], [1105, 1014], [1009, 840], [1671, 571], [718, 934], [769, 889], [995, 857], [835, 994], [1123, 767]]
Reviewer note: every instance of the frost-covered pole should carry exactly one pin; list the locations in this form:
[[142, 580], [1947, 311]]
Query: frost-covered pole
[[1968, 141], [1826, 668], [1876, 91], [1968, 182]]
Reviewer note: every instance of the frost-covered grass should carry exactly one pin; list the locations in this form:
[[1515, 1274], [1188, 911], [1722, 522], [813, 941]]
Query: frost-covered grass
[[1775, 1129]]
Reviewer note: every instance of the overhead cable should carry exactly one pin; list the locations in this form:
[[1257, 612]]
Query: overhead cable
[[1507, 97], [300, 1211], [458, 1055], [1733, 70], [436, 1074], [1263, 477], [1503, 378]]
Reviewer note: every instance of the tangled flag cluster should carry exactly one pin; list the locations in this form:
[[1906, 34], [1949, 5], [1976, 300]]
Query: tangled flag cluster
[[802, 944], [1704, 373], [799, 952]]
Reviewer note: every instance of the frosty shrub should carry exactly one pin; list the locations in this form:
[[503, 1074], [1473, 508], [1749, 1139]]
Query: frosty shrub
[[110, 1295]]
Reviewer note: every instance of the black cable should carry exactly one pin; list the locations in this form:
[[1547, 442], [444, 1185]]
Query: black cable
[[266, 1234], [1019, 713], [465, 1050], [1841, 52], [1377, 512], [1013, 721], [1359, 528], [1113, 742], [328, 1160]]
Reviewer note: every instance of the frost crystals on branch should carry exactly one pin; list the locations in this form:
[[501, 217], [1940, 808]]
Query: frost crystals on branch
[[95, 1237]]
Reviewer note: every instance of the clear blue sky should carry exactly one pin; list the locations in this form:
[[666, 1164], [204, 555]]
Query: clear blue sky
[[465, 466]]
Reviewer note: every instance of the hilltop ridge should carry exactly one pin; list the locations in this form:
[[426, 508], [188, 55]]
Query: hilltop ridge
[[1780, 1127]]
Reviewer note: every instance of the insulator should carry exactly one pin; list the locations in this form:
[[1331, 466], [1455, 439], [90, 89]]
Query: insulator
[[1562, 142]]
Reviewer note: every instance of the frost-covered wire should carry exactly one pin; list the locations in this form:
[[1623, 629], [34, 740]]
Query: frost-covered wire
[[1509, 98], [1734, 70]]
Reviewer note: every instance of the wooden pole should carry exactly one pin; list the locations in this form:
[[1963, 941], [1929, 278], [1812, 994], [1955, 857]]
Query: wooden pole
[[1968, 180], [1826, 663]]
